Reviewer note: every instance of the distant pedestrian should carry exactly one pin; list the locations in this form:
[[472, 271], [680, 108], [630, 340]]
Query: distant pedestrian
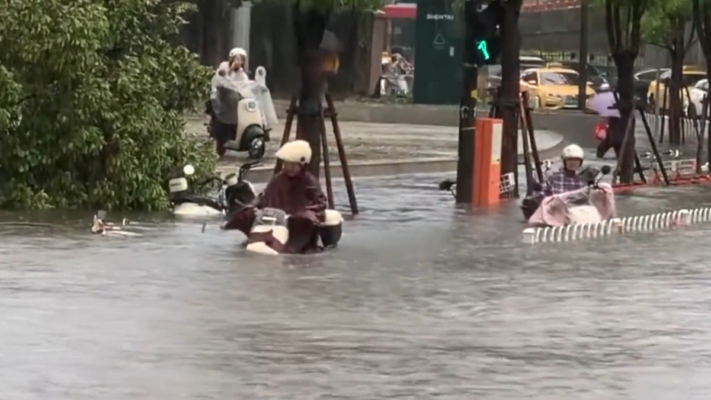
[[613, 138]]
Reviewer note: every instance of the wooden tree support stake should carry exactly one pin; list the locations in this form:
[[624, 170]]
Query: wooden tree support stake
[[530, 146], [328, 112]]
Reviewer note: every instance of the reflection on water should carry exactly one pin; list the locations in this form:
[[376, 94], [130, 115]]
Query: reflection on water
[[421, 300]]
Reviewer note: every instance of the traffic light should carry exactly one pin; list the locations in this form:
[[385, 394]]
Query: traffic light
[[483, 38]]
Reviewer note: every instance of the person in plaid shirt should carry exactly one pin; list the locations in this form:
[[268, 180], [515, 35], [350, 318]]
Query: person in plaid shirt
[[567, 178]]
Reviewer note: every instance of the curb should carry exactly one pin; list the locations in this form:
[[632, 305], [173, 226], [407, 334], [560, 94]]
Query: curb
[[362, 169], [383, 168]]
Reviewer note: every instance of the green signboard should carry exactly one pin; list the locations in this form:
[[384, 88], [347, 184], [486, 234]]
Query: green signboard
[[438, 54]]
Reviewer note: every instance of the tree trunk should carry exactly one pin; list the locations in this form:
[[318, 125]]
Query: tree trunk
[[702, 27], [676, 52], [213, 33], [309, 27], [706, 111], [510, 85], [625, 89]]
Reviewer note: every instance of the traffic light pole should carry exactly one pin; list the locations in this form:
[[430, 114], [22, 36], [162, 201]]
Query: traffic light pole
[[583, 57], [467, 130]]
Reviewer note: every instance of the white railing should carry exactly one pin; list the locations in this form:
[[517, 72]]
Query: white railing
[[617, 226]]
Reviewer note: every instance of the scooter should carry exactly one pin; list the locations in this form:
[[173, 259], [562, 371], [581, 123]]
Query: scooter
[[591, 204], [270, 232], [236, 120], [234, 194], [532, 201]]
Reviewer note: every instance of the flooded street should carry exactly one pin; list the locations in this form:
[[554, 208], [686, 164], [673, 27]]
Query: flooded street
[[420, 301]]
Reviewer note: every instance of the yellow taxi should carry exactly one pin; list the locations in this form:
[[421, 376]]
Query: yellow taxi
[[553, 87], [690, 76]]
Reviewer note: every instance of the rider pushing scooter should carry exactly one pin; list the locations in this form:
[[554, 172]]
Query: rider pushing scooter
[[571, 197], [567, 179]]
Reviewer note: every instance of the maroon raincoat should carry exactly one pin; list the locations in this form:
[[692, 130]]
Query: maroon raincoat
[[299, 196]]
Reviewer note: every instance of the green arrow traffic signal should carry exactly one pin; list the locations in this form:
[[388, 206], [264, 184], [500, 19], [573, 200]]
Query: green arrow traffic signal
[[482, 47]]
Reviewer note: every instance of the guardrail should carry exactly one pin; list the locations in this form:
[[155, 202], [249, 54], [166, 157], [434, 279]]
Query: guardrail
[[617, 226]]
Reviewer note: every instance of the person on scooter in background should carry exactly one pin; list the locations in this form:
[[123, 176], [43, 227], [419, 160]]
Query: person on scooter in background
[[294, 190], [567, 178], [235, 65]]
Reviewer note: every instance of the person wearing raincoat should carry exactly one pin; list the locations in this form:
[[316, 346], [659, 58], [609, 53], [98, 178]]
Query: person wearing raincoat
[[234, 67], [567, 178], [295, 191]]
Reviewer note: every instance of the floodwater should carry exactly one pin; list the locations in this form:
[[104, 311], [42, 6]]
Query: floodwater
[[420, 301]]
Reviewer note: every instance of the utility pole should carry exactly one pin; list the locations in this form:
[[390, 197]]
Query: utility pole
[[584, 30], [467, 127], [481, 47], [467, 113]]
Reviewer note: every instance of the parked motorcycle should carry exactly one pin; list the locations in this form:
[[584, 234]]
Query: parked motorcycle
[[236, 119], [270, 232], [593, 203], [235, 192]]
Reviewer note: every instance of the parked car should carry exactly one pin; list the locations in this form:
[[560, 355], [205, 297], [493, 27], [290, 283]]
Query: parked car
[[697, 94], [597, 79], [531, 62], [642, 79], [690, 76], [525, 62], [553, 88]]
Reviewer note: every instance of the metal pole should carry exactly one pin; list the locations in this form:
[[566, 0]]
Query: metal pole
[[467, 124], [467, 113], [582, 85]]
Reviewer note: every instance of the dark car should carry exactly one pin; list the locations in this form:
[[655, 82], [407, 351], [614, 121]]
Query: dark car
[[597, 78]]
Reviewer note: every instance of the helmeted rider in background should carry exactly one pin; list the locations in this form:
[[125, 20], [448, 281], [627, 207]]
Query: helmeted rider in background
[[235, 65], [567, 178], [295, 191]]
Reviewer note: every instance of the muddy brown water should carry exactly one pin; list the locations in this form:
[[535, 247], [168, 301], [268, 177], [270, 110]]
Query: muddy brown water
[[420, 301]]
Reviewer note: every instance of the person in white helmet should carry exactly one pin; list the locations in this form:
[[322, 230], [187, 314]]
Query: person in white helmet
[[235, 64], [295, 191], [567, 178]]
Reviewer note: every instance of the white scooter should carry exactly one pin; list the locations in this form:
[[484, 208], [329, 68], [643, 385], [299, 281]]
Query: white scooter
[[237, 121], [235, 193], [270, 232]]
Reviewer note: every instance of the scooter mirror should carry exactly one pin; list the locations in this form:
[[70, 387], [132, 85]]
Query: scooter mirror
[[606, 169], [188, 170]]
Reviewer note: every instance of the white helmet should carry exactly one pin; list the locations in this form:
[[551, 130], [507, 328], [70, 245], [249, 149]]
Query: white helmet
[[238, 51], [298, 151], [572, 151]]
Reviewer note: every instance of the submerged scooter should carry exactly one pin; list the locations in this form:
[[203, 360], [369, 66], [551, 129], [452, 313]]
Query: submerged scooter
[[532, 201], [591, 204], [270, 231], [236, 119], [234, 194]]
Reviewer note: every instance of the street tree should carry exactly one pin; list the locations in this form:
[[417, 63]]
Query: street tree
[[665, 25], [702, 24], [510, 82], [317, 59], [92, 94], [623, 22]]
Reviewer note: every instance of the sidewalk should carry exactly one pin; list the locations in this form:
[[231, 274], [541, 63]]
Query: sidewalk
[[571, 124], [380, 149]]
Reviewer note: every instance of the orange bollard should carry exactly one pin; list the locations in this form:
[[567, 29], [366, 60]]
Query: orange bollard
[[487, 162]]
